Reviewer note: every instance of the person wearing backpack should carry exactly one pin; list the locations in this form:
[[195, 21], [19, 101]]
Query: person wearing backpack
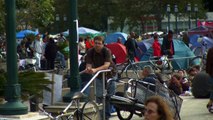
[[99, 58]]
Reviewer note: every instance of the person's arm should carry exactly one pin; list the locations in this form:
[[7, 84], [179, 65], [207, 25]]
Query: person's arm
[[91, 70]]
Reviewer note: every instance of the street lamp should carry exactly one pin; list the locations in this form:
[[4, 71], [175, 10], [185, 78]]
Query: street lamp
[[65, 21], [57, 19], [168, 10], [189, 10], [196, 11], [176, 11]]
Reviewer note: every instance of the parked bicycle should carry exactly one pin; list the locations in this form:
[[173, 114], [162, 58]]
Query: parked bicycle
[[162, 64], [129, 69], [88, 111]]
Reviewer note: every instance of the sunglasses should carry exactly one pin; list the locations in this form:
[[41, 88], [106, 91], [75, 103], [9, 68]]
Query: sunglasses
[[148, 111]]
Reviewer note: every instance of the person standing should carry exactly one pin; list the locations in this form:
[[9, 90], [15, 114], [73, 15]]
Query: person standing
[[37, 47], [209, 70], [132, 46], [100, 58], [168, 45], [157, 109], [156, 47], [82, 46], [50, 53]]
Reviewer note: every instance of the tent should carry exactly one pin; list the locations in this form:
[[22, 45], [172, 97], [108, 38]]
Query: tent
[[181, 50], [83, 31], [205, 40], [119, 50], [22, 34], [114, 36], [202, 30], [204, 44]]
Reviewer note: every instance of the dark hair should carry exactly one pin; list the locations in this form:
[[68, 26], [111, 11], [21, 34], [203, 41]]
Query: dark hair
[[170, 32], [162, 107], [99, 38]]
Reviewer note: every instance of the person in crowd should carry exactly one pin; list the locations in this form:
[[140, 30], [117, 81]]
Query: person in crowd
[[183, 80], [82, 46], [209, 70], [157, 109], [29, 51], [50, 53], [132, 46], [61, 38], [186, 39], [119, 40], [89, 43], [156, 47], [192, 71], [37, 47], [167, 47], [100, 58], [149, 76], [175, 85]]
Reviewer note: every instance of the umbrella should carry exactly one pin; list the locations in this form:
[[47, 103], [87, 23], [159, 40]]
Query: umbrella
[[24, 33], [83, 31], [114, 36]]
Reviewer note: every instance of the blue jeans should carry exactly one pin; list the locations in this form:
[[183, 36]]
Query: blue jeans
[[99, 93], [60, 57]]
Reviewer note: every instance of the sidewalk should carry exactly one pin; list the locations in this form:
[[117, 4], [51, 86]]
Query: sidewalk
[[192, 109]]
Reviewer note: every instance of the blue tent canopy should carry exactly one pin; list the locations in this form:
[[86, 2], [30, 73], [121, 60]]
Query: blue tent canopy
[[205, 40], [23, 33], [181, 51], [114, 36]]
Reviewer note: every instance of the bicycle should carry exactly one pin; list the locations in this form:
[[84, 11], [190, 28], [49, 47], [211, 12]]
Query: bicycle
[[162, 64], [127, 68], [80, 113]]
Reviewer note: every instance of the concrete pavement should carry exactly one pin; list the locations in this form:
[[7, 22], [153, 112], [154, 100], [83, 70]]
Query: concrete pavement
[[192, 109]]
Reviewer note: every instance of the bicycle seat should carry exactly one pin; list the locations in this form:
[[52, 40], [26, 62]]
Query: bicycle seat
[[78, 95]]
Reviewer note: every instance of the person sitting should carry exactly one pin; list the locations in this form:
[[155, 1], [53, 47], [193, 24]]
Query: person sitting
[[175, 85], [149, 76], [157, 109]]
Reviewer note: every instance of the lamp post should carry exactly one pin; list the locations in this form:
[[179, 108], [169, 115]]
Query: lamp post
[[57, 19], [176, 12], [189, 10], [65, 21], [168, 10], [196, 11]]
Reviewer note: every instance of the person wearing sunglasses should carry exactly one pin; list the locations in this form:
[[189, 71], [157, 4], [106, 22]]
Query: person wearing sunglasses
[[157, 109]]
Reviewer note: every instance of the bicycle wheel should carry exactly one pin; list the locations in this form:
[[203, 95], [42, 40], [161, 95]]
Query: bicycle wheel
[[198, 60], [90, 111], [197, 51], [123, 114], [133, 71]]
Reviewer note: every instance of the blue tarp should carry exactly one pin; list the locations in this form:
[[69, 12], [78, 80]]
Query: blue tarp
[[181, 50], [114, 36], [23, 33]]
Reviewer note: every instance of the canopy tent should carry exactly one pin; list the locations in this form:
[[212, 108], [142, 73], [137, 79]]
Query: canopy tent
[[24, 33], [205, 42], [181, 51], [83, 31], [114, 36], [202, 30]]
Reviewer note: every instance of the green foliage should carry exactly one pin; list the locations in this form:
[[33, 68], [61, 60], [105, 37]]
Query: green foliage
[[201, 86], [32, 83]]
